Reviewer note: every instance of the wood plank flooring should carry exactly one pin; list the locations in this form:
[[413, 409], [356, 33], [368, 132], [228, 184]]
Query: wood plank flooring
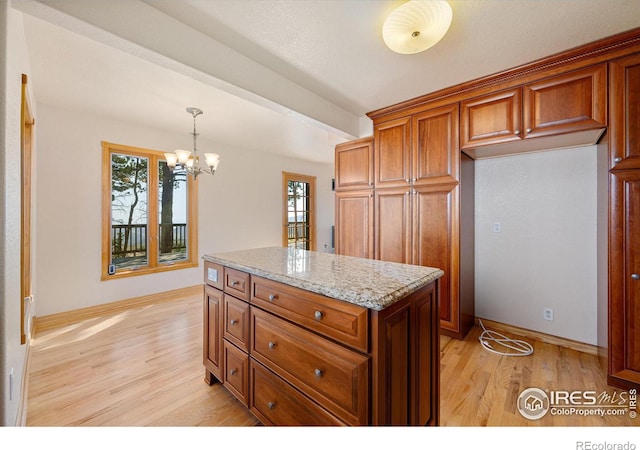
[[143, 367]]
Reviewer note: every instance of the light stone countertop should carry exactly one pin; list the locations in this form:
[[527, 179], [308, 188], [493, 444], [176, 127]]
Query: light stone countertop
[[365, 282]]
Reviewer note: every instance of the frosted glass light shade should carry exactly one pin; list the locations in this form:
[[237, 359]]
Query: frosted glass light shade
[[212, 160], [183, 156], [171, 158], [417, 25]]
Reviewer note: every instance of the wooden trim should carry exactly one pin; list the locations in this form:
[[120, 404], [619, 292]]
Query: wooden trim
[[70, 317], [575, 58], [538, 336]]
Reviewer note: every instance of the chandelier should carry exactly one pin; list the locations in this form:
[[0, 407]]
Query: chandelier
[[189, 160]]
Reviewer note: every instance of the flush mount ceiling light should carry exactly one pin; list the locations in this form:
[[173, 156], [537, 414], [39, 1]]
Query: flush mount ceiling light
[[416, 25]]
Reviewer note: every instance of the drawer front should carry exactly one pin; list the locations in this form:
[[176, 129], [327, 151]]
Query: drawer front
[[214, 275], [342, 321], [236, 321], [237, 283], [328, 372], [236, 375], [275, 402]]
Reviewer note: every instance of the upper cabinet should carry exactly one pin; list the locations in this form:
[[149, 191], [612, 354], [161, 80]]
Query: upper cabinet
[[354, 165], [417, 150], [624, 104], [560, 111]]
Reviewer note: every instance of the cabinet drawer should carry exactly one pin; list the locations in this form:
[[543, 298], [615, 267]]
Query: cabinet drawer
[[237, 283], [236, 322], [275, 402], [342, 321], [334, 375], [213, 275], [236, 375]]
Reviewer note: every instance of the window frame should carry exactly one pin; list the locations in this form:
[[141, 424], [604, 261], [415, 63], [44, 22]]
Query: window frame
[[311, 181], [153, 263]]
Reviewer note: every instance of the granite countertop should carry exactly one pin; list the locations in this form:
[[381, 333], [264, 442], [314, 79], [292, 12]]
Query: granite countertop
[[365, 282]]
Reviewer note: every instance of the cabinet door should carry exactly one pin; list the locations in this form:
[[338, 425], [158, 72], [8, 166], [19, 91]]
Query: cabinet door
[[354, 165], [393, 225], [436, 243], [212, 344], [392, 158], [435, 152], [491, 119], [624, 279], [570, 102], [354, 224], [624, 107]]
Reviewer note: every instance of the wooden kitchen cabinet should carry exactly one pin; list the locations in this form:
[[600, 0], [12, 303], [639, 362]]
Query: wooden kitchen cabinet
[[624, 279], [212, 348], [560, 105], [392, 155], [354, 165], [354, 223], [624, 106]]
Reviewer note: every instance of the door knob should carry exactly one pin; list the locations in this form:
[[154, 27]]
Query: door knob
[[635, 276]]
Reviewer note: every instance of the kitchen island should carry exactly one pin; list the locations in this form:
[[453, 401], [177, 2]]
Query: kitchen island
[[308, 338]]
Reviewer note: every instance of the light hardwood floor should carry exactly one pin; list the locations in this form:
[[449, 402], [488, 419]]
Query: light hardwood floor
[[143, 367]]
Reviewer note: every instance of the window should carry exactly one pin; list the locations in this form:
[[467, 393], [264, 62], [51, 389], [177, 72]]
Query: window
[[149, 213], [298, 211]]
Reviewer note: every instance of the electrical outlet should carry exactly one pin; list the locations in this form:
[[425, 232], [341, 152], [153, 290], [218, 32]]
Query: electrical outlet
[[497, 227], [548, 313]]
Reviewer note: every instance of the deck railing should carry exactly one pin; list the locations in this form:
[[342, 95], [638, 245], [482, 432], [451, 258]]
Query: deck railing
[[131, 240]]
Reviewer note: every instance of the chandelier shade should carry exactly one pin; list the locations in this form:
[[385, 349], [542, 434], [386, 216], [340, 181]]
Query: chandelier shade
[[417, 25], [189, 159]]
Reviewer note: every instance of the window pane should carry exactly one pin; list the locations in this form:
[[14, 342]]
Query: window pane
[[129, 203], [172, 218], [297, 214]]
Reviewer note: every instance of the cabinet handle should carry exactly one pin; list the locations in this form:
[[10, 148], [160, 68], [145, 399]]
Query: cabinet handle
[[234, 283], [635, 276], [414, 180], [233, 371], [272, 297], [318, 315], [272, 345], [617, 159], [528, 130], [407, 180], [517, 132], [234, 321], [318, 373], [271, 405]]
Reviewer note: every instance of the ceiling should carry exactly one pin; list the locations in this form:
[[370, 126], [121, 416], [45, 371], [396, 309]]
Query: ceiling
[[293, 77]]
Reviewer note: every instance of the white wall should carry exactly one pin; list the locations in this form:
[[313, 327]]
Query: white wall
[[13, 55], [240, 207], [545, 255]]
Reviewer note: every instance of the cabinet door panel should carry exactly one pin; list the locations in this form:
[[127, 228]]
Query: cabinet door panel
[[436, 242], [393, 225], [624, 283], [212, 345], [624, 105], [392, 153], [435, 155], [491, 119], [354, 224], [354, 165], [566, 103]]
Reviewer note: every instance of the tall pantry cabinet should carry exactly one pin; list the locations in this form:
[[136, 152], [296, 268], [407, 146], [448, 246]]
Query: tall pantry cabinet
[[624, 222], [417, 214]]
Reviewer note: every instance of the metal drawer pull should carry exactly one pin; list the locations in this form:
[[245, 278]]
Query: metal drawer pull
[[271, 405], [272, 297], [318, 315], [635, 276], [235, 283], [617, 159], [517, 132], [234, 321], [233, 371], [272, 345], [318, 372]]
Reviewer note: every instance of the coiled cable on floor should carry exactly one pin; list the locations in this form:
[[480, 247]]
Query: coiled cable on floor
[[490, 338]]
